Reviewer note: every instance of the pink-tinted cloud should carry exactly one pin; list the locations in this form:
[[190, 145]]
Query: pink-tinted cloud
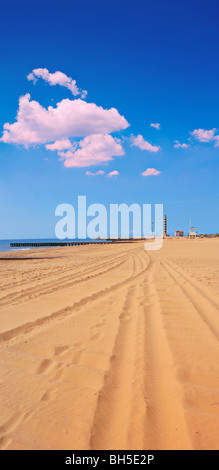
[[94, 149], [216, 140], [143, 144], [96, 173], [178, 145], [57, 78], [59, 145], [203, 135], [112, 173], [70, 118], [150, 172], [156, 125]]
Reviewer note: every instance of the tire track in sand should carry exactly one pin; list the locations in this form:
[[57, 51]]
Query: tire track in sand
[[189, 323], [132, 408], [62, 314], [205, 306]]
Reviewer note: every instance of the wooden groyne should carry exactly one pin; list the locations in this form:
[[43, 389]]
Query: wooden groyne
[[45, 244]]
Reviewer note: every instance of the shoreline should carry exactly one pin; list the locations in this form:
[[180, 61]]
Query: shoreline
[[71, 243]]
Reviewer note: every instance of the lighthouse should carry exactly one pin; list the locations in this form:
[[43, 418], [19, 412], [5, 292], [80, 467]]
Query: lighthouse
[[164, 226]]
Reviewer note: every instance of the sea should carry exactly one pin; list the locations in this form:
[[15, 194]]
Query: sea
[[5, 244]]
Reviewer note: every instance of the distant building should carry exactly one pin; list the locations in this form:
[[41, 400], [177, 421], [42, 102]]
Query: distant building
[[179, 233], [192, 232]]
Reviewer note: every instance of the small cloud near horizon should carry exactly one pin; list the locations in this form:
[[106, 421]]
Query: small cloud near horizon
[[96, 173], [150, 172], [178, 145], [216, 139], [112, 173]]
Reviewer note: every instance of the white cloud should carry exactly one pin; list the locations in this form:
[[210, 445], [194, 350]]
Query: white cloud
[[59, 145], [143, 144], [94, 149], [150, 172], [112, 173], [202, 135], [96, 173], [70, 118], [178, 145], [216, 139], [57, 78], [156, 125]]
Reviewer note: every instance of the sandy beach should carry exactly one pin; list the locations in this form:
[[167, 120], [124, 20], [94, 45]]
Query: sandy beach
[[110, 347]]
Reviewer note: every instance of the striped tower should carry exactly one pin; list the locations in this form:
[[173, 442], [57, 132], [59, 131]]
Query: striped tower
[[164, 226]]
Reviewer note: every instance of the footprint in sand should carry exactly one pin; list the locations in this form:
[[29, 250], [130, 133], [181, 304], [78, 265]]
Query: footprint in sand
[[47, 396], [58, 375], [45, 365], [4, 442], [12, 423], [76, 357], [96, 336], [124, 317], [98, 325], [78, 345], [58, 350]]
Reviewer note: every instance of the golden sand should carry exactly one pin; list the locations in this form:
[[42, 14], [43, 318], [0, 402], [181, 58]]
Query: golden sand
[[110, 347]]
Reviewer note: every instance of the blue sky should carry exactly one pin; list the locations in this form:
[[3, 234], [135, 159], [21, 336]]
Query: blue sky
[[154, 62]]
